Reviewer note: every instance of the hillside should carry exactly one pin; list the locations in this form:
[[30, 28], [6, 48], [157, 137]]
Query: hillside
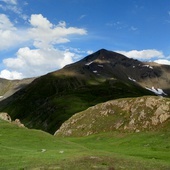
[[102, 100], [50, 100], [9, 87], [147, 113], [23, 148]]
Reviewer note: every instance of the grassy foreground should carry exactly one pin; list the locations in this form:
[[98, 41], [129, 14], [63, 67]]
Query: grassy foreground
[[31, 149]]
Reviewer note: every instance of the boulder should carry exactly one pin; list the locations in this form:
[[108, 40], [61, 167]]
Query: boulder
[[5, 116]]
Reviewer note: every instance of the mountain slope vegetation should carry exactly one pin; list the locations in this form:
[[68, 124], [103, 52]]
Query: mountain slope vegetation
[[106, 100], [148, 113], [23, 148], [53, 98]]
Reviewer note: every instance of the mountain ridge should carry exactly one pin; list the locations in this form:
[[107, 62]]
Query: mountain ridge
[[9, 87], [51, 99], [145, 74]]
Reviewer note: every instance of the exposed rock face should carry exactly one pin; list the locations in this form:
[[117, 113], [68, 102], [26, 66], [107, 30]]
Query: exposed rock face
[[132, 114], [5, 116], [18, 123]]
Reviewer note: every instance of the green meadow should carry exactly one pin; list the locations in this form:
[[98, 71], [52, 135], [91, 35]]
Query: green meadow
[[24, 149]]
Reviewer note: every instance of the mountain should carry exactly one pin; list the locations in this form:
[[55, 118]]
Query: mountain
[[52, 99], [9, 87], [146, 113]]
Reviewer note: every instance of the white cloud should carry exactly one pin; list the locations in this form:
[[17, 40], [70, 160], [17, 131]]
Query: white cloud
[[45, 33], [68, 58], [44, 57], [5, 23], [143, 54], [162, 61], [9, 34], [150, 54], [36, 62], [42, 32], [14, 6], [10, 74], [89, 52], [13, 2]]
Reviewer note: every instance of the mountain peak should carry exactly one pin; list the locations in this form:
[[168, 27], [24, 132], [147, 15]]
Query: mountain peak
[[104, 54]]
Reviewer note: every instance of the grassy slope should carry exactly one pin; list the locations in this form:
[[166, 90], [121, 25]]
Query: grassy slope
[[151, 147], [128, 114], [23, 149], [52, 99]]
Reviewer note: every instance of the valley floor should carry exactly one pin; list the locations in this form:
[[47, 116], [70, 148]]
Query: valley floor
[[26, 149]]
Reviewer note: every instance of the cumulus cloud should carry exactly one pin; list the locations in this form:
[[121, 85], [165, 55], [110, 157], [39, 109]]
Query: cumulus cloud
[[43, 56], [10, 74], [89, 52], [143, 54], [45, 33], [36, 62], [162, 61], [150, 54], [5, 23], [9, 34]]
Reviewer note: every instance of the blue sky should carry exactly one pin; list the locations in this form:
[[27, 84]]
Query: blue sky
[[39, 36]]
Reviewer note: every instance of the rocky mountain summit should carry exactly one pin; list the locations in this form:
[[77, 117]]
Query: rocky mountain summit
[[131, 114], [152, 76]]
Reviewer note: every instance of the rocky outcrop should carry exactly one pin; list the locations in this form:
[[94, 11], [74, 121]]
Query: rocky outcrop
[[6, 117], [131, 114], [18, 123]]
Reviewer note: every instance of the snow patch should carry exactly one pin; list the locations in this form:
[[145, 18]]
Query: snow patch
[[133, 66], [100, 65], [131, 79], [156, 91], [148, 66], [1, 97], [95, 71], [87, 64]]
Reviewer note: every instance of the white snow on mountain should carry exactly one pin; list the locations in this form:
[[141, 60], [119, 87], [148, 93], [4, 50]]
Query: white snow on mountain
[[157, 91], [131, 79], [148, 66], [100, 65], [87, 64]]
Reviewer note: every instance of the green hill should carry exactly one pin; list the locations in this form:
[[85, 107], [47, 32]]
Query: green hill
[[27, 149], [149, 113]]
